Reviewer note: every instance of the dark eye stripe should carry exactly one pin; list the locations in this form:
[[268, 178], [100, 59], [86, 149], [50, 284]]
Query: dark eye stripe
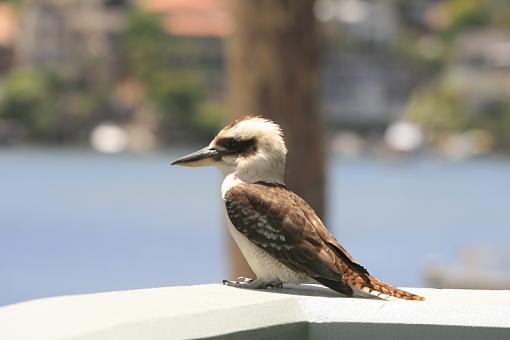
[[236, 146], [230, 143]]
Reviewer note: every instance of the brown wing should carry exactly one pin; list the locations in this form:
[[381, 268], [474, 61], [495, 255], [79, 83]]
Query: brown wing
[[278, 221]]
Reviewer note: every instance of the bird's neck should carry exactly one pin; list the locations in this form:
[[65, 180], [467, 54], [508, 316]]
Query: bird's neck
[[264, 167], [249, 175]]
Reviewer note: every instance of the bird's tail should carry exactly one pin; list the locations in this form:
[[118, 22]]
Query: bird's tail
[[374, 286]]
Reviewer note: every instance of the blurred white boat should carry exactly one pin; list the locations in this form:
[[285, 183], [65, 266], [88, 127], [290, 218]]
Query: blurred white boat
[[479, 269]]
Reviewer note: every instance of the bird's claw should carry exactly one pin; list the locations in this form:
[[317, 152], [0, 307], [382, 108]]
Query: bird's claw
[[274, 285], [244, 279], [242, 282], [246, 282]]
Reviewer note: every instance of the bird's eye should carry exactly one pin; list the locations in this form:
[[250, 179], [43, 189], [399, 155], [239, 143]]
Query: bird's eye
[[238, 146], [230, 143]]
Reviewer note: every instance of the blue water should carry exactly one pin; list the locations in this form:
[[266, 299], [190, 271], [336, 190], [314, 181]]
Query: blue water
[[74, 221]]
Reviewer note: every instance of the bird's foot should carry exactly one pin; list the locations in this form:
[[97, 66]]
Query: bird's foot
[[246, 282], [242, 282], [274, 285]]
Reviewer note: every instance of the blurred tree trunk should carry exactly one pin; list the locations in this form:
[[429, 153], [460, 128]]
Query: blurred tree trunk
[[274, 71]]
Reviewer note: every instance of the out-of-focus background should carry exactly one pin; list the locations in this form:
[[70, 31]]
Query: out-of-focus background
[[411, 112]]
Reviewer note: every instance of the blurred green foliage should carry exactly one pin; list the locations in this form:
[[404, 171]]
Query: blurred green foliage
[[459, 16], [439, 107], [440, 103], [166, 67], [444, 108], [29, 97], [496, 120], [50, 107]]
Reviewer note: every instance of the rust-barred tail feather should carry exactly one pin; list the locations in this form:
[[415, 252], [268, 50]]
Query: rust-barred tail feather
[[377, 287], [360, 282], [363, 281], [358, 279]]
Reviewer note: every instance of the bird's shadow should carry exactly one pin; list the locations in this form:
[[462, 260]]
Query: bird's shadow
[[312, 290]]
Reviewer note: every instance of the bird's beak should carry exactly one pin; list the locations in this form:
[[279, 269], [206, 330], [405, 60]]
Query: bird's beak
[[203, 157]]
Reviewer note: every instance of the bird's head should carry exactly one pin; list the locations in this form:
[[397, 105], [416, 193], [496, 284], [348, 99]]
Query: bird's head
[[253, 147]]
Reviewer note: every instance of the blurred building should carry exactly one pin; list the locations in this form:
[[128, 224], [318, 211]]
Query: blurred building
[[193, 18], [63, 35], [8, 23], [363, 88], [363, 92], [481, 66]]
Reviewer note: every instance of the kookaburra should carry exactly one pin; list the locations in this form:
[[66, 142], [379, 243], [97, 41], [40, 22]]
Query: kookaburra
[[279, 234]]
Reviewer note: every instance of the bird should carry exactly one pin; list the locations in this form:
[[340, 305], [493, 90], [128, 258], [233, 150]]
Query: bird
[[277, 231]]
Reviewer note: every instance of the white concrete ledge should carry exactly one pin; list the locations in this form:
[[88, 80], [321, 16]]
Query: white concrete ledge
[[211, 311]]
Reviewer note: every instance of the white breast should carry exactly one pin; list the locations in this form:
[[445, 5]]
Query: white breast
[[229, 181]]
